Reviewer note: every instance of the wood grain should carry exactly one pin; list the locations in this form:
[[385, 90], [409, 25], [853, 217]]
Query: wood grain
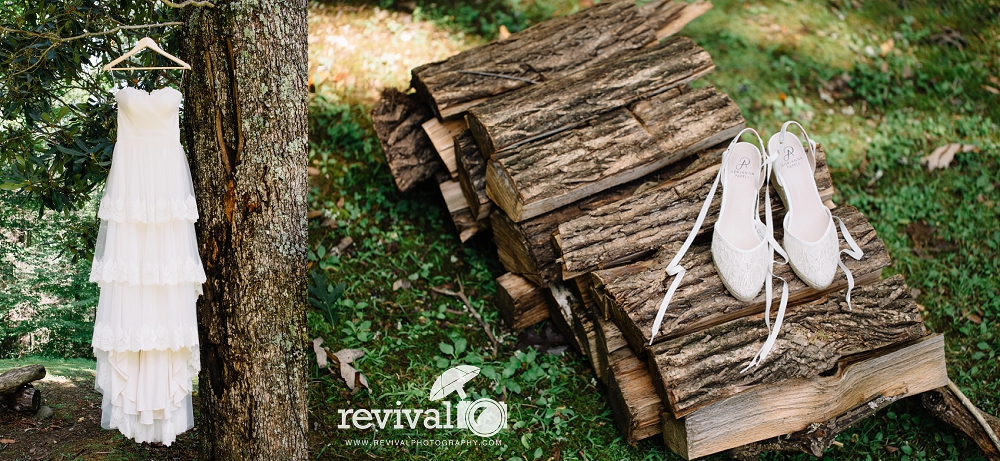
[[537, 111], [472, 174], [697, 369], [562, 302], [632, 294], [521, 303], [781, 408], [461, 216], [441, 135], [613, 149]]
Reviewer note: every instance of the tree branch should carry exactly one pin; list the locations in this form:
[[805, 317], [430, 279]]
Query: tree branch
[[465, 300]]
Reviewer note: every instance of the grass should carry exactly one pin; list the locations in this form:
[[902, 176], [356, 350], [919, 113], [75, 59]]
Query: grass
[[877, 85]]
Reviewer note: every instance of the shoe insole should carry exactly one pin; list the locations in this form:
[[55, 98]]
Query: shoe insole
[[739, 197], [809, 219]]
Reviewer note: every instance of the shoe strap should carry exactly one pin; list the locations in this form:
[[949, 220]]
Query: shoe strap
[[812, 144], [674, 269], [854, 251]]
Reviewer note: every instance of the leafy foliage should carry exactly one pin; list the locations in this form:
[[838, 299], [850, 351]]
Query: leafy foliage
[[56, 138]]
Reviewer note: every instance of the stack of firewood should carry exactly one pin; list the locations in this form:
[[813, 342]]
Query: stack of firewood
[[581, 145]]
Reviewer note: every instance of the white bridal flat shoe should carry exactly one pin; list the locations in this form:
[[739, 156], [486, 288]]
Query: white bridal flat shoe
[[810, 234], [742, 246]]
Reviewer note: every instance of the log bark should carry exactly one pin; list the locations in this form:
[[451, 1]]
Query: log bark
[[703, 367], [526, 247], [442, 135], [561, 304], [398, 121], [541, 110], [641, 223], [546, 51], [472, 174], [521, 304], [246, 130], [14, 379], [946, 406], [632, 294], [465, 223], [772, 410], [27, 399], [586, 329], [816, 438], [615, 148]]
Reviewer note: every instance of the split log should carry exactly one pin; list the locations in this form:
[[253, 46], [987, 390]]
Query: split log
[[817, 437], [465, 223], [472, 174], [641, 223], [561, 303], [943, 404], [441, 135], [12, 380], [547, 51], [550, 107], [586, 330], [776, 409], [636, 407], [703, 367], [521, 304], [613, 149], [24, 400], [632, 294], [397, 119], [526, 247]]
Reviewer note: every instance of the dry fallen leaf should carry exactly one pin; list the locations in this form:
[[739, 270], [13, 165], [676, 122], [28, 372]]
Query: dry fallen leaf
[[314, 214], [994, 80], [974, 318], [313, 171], [343, 245], [401, 284], [942, 156], [887, 46], [340, 203], [320, 352], [6, 441], [504, 33], [991, 89], [351, 376], [329, 222]]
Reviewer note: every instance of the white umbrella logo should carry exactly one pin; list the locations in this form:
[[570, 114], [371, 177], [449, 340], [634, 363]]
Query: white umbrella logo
[[453, 380]]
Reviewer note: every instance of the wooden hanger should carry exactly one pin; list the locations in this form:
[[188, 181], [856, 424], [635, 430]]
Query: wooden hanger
[[147, 42]]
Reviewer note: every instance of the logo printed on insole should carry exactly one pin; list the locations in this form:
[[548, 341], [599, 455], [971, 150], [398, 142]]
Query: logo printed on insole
[[742, 169], [789, 159]]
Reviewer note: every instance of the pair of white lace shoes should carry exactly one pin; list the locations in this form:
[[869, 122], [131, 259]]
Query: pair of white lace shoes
[[743, 247]]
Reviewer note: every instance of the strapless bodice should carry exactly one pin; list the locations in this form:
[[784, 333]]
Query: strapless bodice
[[149, 116]]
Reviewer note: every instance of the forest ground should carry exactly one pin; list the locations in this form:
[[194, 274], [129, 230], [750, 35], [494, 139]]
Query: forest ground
[[880, 84]]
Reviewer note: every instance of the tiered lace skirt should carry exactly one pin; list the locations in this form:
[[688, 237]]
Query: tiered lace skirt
[[147, 265]]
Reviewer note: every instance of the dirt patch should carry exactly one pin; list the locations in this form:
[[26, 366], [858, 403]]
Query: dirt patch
[[74, 431]]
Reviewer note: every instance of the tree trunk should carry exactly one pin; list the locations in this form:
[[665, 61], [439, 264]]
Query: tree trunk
[[246, 130], [632, 293], [697, 369], [12, 380], [615, 148], [472, 174], [547, 108], [643, 222], [549, 50], [24, 400], [398, 121]]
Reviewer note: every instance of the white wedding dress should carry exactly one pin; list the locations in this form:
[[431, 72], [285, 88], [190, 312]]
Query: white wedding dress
[[150, 274]]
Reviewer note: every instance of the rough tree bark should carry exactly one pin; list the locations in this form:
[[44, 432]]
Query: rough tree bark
[[700, 368], [632, 294], [617, 147], [245, 125]]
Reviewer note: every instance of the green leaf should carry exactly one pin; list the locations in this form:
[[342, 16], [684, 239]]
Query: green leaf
[[447, 349], [460, 345], [538, 452]]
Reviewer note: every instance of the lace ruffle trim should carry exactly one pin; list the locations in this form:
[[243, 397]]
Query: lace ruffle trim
[[150, 273], [107, 338], [136, 210]]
